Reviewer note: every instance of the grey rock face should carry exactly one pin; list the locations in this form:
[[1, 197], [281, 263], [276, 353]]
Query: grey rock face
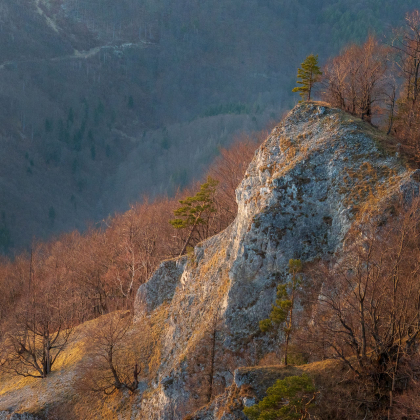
[[317, 172], [248, 402], [161, 286]]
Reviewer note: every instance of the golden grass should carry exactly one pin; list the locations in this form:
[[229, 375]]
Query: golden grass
[[60, 390]]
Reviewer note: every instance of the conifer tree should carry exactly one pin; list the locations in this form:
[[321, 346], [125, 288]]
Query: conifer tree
[[281, 315], [196, 211], [291, 398], [308, 74]]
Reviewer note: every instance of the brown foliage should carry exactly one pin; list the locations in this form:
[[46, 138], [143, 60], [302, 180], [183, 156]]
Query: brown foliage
[[367, 309], [110, 365], [381, 83], [40, 326], [407, 119], [407, 403], [229, 169], [78, 277], [357, 79]]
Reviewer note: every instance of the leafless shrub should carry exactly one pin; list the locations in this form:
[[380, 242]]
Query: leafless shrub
[[42, 324], [357, 79], [110, 366]]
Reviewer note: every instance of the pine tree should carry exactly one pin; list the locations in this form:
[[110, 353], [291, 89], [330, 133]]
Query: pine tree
[[291, 398], [196, 211], [308, 74], [281, 315]]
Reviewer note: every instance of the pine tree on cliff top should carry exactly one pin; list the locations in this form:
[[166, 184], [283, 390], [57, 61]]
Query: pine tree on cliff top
[[308, 74]]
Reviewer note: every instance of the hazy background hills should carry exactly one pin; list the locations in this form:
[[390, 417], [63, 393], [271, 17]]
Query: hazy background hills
[[102, 101]]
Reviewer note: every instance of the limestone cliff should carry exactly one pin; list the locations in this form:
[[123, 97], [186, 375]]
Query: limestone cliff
[[318, 172], [196, 319]]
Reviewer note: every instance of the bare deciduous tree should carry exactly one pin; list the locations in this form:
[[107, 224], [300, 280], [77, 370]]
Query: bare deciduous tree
[[42, 325], [406, 44], [407, 47], [356, 80], [368, 310], [109, 367]]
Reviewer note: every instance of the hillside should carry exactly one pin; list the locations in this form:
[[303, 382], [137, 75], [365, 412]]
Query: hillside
[[316, 175], [103, 101]]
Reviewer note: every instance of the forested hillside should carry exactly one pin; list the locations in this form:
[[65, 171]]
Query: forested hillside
[[104, 101]]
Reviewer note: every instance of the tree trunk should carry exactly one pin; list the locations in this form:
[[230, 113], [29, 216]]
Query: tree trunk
[[391, 396], [286, 348], [187, 241]]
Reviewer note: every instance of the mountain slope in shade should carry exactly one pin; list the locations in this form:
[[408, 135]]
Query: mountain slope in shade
[[102, 102]]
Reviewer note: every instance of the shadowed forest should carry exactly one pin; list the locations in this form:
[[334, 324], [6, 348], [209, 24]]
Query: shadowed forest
[[102, 101]]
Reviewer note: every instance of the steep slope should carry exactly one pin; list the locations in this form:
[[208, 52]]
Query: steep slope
[[196, 319], [317, 172]]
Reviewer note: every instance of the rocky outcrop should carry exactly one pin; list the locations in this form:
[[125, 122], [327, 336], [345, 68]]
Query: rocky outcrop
[[161, 286], [318, 172]]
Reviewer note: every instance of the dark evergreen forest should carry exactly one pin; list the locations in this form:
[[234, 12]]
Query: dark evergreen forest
[[104, 101]]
